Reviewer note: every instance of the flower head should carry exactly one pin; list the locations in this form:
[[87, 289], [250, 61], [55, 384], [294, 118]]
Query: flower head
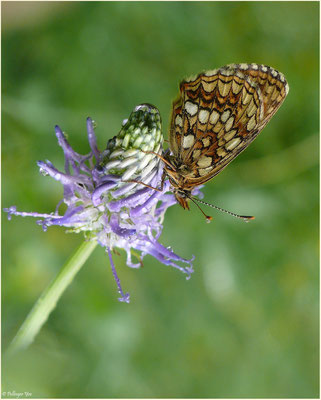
[[105, 195]]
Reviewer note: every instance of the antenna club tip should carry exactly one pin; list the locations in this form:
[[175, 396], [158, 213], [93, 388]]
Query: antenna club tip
[[208, 219], [249, 218]]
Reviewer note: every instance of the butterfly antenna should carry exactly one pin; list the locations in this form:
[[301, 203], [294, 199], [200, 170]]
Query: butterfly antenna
[[245, 218], [208, 217]]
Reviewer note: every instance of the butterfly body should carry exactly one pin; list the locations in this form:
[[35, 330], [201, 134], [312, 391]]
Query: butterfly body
[[215, 117], [178, 174]]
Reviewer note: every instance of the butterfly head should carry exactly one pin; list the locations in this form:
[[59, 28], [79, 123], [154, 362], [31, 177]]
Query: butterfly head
[[182, 196]]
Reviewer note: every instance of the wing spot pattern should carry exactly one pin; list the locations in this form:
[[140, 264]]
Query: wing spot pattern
[[204, 171], [221, 152], [206, 141], [191, 108], [214, 117], [203, 116], [204, 162], [251, 124], [188, 141], [232, 143], [196, 154], [244, 66], [224, 88], [225, 115], [229, 124], [228, 136]]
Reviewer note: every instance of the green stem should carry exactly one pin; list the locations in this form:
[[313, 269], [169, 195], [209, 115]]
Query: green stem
[[49, 298]]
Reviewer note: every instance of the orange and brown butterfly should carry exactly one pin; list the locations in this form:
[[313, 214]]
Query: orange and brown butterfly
[[217, 115]]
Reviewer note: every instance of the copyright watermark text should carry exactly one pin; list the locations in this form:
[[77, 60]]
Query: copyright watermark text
[[16, 395]]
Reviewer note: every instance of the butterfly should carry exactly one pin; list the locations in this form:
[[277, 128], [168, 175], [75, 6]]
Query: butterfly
[[216, 116]]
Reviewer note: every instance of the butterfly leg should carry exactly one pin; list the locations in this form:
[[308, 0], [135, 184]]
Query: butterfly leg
[[150, 187], [160, 157], [144, 184]]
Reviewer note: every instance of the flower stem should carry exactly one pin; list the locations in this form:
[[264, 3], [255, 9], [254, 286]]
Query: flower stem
[[49, 298]]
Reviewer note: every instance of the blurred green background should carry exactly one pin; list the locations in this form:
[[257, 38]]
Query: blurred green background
[[246, 324]]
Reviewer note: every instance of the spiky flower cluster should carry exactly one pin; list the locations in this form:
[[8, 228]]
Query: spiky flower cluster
[[105, 195]]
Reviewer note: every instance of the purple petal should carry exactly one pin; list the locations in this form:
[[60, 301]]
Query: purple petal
[[92, 138], [100, 190], [124, 296], [123, 232]]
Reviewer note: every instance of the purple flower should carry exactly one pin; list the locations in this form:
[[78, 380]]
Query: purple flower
[[105, 196]]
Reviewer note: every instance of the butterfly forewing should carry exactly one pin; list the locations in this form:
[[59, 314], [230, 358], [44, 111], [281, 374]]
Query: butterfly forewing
[[218, 114], [272, 85]]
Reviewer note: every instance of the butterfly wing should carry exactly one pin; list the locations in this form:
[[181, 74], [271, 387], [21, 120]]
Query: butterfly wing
[[219, 113]]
